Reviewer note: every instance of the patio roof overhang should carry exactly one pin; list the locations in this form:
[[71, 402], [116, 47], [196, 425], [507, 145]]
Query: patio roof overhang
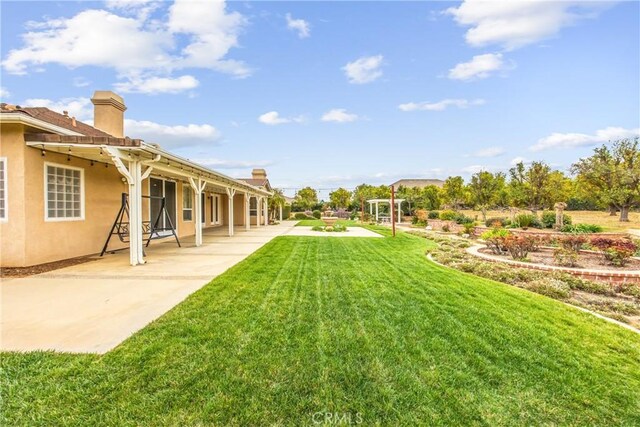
[[164, 163]]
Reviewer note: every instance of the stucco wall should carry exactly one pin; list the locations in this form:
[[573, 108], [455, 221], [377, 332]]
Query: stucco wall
[[12, 231]]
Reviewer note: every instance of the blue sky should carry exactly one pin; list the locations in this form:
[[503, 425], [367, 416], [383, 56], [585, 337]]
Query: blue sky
[[333, 94]]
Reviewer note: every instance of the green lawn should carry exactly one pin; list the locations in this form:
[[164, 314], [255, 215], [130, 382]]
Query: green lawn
[[360, 327], [314, 222]]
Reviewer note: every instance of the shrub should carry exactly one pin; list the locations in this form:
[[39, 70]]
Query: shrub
[[615, 251], [581, 228], [550, 287], [433, 215], [565, 257], [494, 239], [469, 228], [339, 228], [308, 213], [549, 219], [318, 228], [446, 228], [286, 212], [342, 214], [497, 222], [448, 215], [527, 220], [316, 214], [463, 219], [300, 215], [572, 242], [520, 246]]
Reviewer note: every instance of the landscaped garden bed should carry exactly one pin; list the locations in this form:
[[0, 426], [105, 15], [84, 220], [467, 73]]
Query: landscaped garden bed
[[619, 301]]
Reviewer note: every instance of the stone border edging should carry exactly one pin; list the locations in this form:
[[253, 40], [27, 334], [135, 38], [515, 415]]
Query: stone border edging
[[585, 310], [610, 276]]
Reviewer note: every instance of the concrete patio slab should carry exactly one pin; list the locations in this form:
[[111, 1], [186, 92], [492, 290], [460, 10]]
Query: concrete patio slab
[[93, 307]]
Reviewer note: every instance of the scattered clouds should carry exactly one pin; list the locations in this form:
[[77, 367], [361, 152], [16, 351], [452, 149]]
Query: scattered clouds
[[364, 70], [514, 24], [138, 48], [4, 93], [339, 115], [490, 152], [480, 67], [232, 164], [519, 159], [80, 108], [440, 105], [273, 118], [81, 82], [171, 136], [300, 25], [573, 140], [156, 85]]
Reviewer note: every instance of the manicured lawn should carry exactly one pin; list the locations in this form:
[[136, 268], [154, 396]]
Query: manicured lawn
[[365, 327], [314, 222]]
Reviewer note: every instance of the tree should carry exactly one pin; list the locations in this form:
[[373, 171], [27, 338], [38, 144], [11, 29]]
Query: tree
[[340, 198], [454, 191], [430, 198], [530, 187], [276, 201], [410, 195], [560, 188], [306, 198], [362, 193], [486, 188], [614, 173]]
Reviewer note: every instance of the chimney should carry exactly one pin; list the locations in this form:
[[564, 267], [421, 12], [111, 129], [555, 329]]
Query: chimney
[[259, 174], [108, 112]]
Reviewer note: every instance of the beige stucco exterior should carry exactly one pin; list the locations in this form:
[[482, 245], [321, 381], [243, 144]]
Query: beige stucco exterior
[[28, 238]]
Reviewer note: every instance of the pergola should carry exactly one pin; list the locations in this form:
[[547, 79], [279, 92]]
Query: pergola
[[378, 201]]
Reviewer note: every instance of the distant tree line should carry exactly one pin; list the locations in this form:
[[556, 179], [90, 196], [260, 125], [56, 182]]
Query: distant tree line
[[609, 179]]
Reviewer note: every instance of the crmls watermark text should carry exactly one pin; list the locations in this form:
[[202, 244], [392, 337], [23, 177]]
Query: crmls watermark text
[[337, 418]]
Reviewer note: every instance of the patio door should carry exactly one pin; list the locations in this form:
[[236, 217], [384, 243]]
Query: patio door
[[214, 209], [167, 189]]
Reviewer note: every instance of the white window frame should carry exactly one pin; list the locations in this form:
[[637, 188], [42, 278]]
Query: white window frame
[[5, 179], [46, 193], [187, 187]]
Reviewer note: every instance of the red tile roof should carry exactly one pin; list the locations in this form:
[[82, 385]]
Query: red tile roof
[[57, 119]]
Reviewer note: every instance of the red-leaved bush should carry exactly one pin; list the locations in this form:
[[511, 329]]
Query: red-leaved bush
[[615, 251]]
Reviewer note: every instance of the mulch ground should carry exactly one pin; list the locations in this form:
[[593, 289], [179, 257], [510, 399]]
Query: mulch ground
[[42, 268]]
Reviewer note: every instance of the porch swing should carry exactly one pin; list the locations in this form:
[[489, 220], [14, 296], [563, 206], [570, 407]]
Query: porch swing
[[150, 230]]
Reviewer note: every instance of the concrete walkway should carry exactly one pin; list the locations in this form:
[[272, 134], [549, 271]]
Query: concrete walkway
[[93, 307]]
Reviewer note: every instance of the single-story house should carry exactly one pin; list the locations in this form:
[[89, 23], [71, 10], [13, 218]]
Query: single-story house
[[63, 183]]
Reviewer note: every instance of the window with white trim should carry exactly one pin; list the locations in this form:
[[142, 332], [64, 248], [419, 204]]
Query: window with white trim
[[253, 206], [3, 189], [187, 203], [64, 199]]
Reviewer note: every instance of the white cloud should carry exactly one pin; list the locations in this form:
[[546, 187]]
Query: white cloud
[[440, 105], [171, 136], [273, 118], [81, 82], [519, 159], [572, 140], [339, 115], [193, 34], [80, 108], [480, 67], [300, 25], [474, 169], [516, 23], [4, 93], [232, 164], [364, 70], [490, 152], [155, 85]]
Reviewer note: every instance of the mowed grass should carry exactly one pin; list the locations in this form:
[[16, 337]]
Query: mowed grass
[[359, 327], [314, 222], [601, 218]]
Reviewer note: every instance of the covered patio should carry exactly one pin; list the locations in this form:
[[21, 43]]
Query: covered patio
[[107, 300]]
